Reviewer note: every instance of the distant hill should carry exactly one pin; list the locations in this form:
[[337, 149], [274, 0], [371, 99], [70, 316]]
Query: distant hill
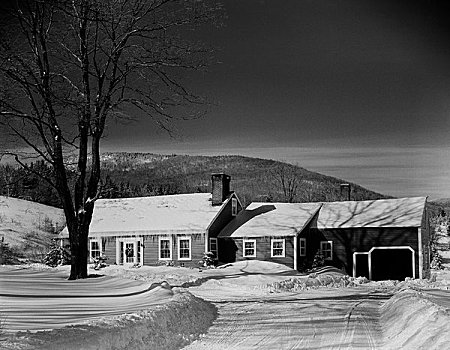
[[145, 174], [254, 179], [28, 227]]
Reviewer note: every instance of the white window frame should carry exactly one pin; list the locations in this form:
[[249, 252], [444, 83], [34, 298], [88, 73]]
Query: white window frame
[[216, 251], [99, 242], [234, 206], [185, 238], [277, 240], [302, 247], [322, 250], [243, 248], [159, 248]]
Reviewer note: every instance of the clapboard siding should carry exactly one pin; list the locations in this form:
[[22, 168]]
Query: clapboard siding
[[109, 249], [151, 250], [263, 250]]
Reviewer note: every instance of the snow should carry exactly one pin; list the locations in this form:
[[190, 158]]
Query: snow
[[244, 305], [401, 212], [96, 313], [19, 218], [411, 321], [271, 219], [188, 213]]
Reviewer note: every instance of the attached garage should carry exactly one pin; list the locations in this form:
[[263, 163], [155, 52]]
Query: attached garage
[[380, 239]]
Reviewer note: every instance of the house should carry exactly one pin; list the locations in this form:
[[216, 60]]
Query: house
[[171, 229], [379, 239]]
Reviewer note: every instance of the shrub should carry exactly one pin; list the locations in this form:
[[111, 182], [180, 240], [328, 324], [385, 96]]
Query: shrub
[[57, 256], [7, 254], [319, 260], [208, 259]]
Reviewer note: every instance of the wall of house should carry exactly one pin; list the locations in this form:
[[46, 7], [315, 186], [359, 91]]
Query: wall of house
[[263, 250], [151, 250], [348, 241], [109, 249]]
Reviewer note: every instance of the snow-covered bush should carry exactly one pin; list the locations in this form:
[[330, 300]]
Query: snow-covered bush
[[207, 260], [56, 256]]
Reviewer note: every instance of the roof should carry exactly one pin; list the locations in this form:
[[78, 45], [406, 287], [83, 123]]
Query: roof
[[402, 212], [181, 213], [271, 219]]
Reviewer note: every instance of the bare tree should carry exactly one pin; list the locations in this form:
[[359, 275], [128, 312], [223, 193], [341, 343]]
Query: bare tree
[[68, 66], [288, 177]]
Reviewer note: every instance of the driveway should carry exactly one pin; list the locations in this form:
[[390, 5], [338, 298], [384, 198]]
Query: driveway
[[249, 318]]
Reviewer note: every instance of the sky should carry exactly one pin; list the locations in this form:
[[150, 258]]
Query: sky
[[357, 89], [354, 89]]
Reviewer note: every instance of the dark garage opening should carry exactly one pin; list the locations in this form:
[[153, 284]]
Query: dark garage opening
[[362, 265], [391, 264]]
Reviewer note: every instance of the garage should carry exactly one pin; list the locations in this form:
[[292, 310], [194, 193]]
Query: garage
[[391, 263]]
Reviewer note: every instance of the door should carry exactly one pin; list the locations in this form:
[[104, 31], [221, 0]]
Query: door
[[129, 253]]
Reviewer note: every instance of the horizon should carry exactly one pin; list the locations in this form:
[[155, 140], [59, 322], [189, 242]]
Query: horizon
[[353, 89]]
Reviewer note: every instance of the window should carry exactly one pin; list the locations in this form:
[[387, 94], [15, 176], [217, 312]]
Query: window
[[277, 248], [302, 250], [249, 250], [326, 248], [184, 248], [213, 247], [234, 206], [95, 249], [165, 248]]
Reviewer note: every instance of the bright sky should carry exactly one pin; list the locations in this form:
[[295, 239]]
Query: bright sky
[[354, 89]]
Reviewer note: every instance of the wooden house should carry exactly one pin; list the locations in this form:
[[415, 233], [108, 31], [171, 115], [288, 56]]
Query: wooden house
[[379, 239], [171, 229]]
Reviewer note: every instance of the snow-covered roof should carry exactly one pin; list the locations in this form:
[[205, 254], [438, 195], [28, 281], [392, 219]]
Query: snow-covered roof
[[271, 219], [402, 212], [181, 213]]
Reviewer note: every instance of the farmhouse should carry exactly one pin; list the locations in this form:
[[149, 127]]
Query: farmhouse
[[379, 239], [171, 229]]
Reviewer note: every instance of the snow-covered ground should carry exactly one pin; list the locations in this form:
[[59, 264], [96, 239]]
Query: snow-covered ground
[[245, 305]]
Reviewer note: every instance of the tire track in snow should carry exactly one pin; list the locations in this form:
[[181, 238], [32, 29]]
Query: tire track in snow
[[294, 322]]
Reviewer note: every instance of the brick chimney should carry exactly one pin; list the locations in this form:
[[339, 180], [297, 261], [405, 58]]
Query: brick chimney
[[220, 188]]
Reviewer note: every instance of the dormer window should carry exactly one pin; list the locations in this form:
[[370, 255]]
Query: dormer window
[[234, 206]]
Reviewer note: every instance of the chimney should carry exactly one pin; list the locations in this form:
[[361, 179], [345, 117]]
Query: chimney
[[220, 188], [348, 188]]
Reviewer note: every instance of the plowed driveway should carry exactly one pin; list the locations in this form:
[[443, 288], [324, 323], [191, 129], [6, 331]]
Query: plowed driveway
[[319, 319]]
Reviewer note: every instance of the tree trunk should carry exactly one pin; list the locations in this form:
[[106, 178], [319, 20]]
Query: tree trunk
[[79, 254]]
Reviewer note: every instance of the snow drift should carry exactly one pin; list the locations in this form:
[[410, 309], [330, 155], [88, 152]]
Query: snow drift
[[410, 321], [168, 326]]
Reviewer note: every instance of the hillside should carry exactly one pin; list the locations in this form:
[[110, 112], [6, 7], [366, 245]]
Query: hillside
[[141, 174], [28, 227], [145, 174]]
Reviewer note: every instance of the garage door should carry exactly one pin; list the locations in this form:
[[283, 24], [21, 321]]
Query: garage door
[[388, 263]]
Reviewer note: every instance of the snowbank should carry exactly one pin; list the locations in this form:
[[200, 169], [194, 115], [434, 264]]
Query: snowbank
[[328, 277], [168, 326], [410, 321]]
